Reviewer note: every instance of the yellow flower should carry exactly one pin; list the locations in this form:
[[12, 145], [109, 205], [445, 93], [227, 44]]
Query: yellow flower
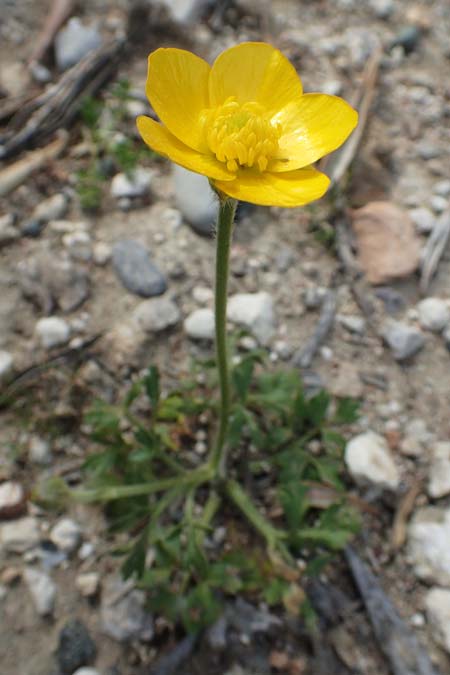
[[244, 122]]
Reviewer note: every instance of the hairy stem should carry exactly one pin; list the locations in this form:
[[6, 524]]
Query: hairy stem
[[225, 220]]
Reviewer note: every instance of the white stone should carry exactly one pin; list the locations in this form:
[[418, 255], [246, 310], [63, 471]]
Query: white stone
[[11, 496], [66, 535], [51, 209], [19, 535], [42, 590], [102, 253], [79, 245], [135, 185], [199, 325], [156, 314], [88, 584], [437, 605], [52, 331], [442, 188], [185, 11], [254, 311], [39, 451], [423, 219], [370, 461], [87, 671], [439, 475], [203, 295], [6, 364], [429, 544], [434, 314], [438, 203]]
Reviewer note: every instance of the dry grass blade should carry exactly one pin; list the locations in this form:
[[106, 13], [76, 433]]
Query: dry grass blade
[[336, 164], [434, 249], [405, 508]]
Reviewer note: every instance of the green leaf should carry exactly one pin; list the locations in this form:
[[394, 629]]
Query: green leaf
[[346, 411], [134, 565], [151, 384], [242, 376], [294, 502], [273, 593], [317, 408], [333, 442], [132, 394]]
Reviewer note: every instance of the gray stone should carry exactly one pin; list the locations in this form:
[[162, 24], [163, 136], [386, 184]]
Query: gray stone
[[438, 203], [102, 253], [404, 341], [20, 535], [156, 315], [52, 331], [416, 438], [75, 41], [200, 325], [427, 150], [352, 323], [369, 461], [51, 209], [442, 188], [76, 647], [423, 219], [434, 314], [136, 271], [429, 544], [392, 300], [446, 336], [437, 605], [249, 620], [66, 535], [195, 199], [123, 613], [382, 8], [48, 283], [39, 451], [42, 590], [136, 184], [8, 232], [284, 259], [439, 475], [313, 296], [79, 245], [87, 671], [6, 364], [254, 311]]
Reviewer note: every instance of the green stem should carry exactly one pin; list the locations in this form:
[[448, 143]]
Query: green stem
[[239, 497], [225, 220], [111, 492]]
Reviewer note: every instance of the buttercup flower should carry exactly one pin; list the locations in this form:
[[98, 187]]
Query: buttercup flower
[[244, 122]]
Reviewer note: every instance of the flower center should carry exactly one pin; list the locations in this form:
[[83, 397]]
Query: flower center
[[241, 135]]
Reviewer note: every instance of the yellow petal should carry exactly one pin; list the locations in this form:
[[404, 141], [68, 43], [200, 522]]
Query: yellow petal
[[177, 88], [293, 188], [163, 142], [254, 71], [312, 127]]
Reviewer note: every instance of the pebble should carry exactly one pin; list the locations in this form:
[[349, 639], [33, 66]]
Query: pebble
[[12, 498], [404, 341], [195, 199], [8, 232], [102, 253], [156, 315], [382, 8], [392, 300], [66, 535], [123, 613], [438, 203], [79, 245], [74, 41], [42, 590], [186, 11], [423, 219], [6, 364], [87, 671], [76, 647], [313, 296], [437, 605], [199, 325], [284, 259], [416, 438], [346, 381], [136, 271], [202, 295], [369, 461], [427, 150], [136, 184], [429, 544], [39, 451], [20, 535], [354, 324], [52, 331], [442, 188], [88, 584], [434, 314], [254, 311], [446, 336], [439, 474], [52, 208]]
